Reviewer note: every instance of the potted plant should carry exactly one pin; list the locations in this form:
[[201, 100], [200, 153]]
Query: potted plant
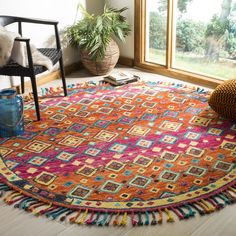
[[95, 37]]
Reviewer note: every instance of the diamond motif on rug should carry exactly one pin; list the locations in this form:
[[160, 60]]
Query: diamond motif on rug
[[71, 141], [37, 146]]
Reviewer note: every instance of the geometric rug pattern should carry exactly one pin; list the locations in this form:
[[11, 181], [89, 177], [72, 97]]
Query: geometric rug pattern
[[143, 148]]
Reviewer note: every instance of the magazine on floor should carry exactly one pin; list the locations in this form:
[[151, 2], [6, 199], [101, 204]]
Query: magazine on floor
[[120, 78]]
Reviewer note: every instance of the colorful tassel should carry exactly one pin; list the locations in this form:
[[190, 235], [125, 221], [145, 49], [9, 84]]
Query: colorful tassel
[[179, 212], [46, 91], [191, 213], [63, 218], [103, 221], [4, 187], [74, 218], [230, 196], [133, 221], [170, 218], [14, 198], [224, 198], [43, 92], [232, 189], [10, 196], [83, 218], [55, 215], [33, 207], [124, 220], [23, 202], [208, 205], [199, 210], [154, 221], [205, 207], [219, 204], [51, 90], [146, 218], [48, 211], [29, 203], [59, 89], [94, 222], [48, 208], [140, 222], [90, 220], [116, 220], [160, 220], [212, 202], [109, 219]]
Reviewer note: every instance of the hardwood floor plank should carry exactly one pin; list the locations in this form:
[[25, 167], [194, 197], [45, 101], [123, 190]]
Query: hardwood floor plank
[[221, 223], [15, 222]]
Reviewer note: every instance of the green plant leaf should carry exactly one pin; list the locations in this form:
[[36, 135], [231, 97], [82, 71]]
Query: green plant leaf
[[94, 33]]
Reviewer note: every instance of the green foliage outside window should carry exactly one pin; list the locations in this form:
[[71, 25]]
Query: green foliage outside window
[[191, 35]]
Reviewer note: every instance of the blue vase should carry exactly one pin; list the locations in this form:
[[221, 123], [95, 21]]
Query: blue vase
[[11, 113]]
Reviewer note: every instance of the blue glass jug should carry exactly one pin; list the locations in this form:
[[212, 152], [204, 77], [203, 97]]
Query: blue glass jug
[[11, 113]]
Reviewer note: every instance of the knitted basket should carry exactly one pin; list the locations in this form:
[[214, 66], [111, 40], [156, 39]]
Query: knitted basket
[[104, 66], [223, 99]]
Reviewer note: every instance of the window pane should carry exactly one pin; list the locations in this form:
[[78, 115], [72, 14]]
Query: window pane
[[156, 19], [205, 37]]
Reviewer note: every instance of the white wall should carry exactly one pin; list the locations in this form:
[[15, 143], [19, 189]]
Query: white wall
[[63, 11], [126, 49], [58, 10], [95, 6]]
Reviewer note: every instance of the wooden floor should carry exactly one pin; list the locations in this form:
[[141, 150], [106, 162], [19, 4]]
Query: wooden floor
[[15, 222]]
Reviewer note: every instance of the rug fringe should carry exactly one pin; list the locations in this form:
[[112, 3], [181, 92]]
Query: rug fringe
[[198, 90], [46, 92], [119, 218]]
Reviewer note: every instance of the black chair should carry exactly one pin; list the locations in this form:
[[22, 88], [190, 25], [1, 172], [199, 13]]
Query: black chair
[[14, 69]]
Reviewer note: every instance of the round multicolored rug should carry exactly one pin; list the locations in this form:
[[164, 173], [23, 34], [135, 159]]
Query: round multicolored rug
[[103, 153]]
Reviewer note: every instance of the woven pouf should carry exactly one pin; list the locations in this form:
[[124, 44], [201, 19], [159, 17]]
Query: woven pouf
[[223, 99]]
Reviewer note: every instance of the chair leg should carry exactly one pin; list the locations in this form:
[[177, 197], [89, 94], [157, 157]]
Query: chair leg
[[63, 76], [35, 94], [22, 80]]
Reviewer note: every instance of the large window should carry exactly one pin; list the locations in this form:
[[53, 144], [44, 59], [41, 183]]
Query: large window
[[192, 39], [156, 18]]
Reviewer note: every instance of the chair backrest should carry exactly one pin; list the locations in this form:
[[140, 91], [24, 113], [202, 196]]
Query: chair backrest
[[7, 20]]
